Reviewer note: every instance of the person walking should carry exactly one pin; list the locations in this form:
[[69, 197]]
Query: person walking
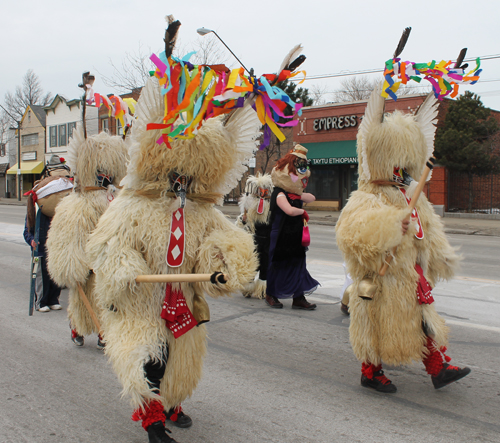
[[288, 276]]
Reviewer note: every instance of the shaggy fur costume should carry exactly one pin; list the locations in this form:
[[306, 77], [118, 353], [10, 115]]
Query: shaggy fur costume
[[258, 225], [389, 327], [77, 216], [133, 235]]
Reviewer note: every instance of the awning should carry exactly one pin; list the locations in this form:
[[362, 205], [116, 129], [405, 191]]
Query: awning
[[27, 168], [332, 153]]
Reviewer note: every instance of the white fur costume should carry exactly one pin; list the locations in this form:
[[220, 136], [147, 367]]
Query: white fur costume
[[389, 327], [133, 235], [77, 216], [254, 218]]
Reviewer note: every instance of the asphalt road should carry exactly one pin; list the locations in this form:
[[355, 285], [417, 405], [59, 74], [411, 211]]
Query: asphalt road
[[270, 375]]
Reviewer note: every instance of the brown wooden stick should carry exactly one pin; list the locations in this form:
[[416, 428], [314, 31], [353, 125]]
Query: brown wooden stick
[[175, 278], [89, 308], [411, 207]]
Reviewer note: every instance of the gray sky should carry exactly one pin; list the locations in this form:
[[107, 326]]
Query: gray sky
[[60, 39]]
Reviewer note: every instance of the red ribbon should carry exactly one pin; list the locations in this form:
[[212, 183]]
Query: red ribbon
[[33, 195], [176, 313], [423, 288]]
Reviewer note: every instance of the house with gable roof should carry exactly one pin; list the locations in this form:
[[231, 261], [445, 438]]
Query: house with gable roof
[[62, 116], [32, 148]]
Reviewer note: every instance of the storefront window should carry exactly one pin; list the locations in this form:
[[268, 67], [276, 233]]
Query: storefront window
[[324, 182]]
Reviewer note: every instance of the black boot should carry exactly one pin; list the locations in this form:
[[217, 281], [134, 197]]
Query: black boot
[[379, 382], [448, 375], [157, 433], [179, 419]]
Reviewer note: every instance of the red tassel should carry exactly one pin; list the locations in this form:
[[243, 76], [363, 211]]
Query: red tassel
[[433, 362], [368, 369], [153, 412]]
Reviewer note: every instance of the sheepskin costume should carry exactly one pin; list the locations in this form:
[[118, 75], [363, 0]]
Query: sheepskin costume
[[394, 326], [254, 217], [96, 162], [133, 237]]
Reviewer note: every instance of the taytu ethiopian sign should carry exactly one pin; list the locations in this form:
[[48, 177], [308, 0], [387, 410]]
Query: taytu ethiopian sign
[[335, 161], [341, 122]]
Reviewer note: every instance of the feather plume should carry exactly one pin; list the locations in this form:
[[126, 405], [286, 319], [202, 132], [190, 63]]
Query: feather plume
[[374, 114], [426, 116], [291, 57], [171, 34], [402, 42], [460, 59]]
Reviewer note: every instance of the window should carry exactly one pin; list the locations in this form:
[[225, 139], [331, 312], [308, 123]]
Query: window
[[119, 128], [62, 135], [324, 183], [30, 139], [71, 127], [104, 125], [53, 136], [2, 149]]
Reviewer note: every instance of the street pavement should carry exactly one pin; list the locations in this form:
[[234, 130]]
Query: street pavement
[[270, 375]]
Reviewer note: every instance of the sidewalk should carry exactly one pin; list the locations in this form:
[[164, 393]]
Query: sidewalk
[[452, 223]]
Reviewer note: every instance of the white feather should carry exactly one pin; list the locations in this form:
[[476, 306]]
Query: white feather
[[426, 117], [76, 143], [244, 127], [291, 56], [373, 116], [149, 109]]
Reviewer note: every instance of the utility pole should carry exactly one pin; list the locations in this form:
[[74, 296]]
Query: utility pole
[[19, 182]]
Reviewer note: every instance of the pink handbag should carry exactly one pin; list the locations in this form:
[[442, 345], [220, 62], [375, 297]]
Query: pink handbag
[[306, 237]]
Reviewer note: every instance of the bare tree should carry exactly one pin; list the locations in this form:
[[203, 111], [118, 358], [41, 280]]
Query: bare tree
[[30, 93], [4, 125], [319, 95], [134, 69], [210, 51], [133, 72], [354, 89]]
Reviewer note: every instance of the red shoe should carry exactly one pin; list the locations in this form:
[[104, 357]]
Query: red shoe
[[448, 375]]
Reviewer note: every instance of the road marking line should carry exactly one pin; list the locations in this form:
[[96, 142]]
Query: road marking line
[[473, 325], [479, 280]]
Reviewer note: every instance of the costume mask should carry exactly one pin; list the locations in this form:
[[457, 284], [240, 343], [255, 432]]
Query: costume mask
[[179, 185], [293, 178]]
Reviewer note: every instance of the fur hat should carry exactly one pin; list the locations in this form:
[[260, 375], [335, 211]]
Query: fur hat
[[394, 140], [215, 158]]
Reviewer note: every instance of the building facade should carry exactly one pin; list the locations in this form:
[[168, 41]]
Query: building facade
[[32, 149], [62, 116]]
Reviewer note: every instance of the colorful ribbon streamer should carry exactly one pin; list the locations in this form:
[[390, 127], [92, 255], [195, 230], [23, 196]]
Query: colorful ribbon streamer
[[444, 78], [194, 93], [120, 108]]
